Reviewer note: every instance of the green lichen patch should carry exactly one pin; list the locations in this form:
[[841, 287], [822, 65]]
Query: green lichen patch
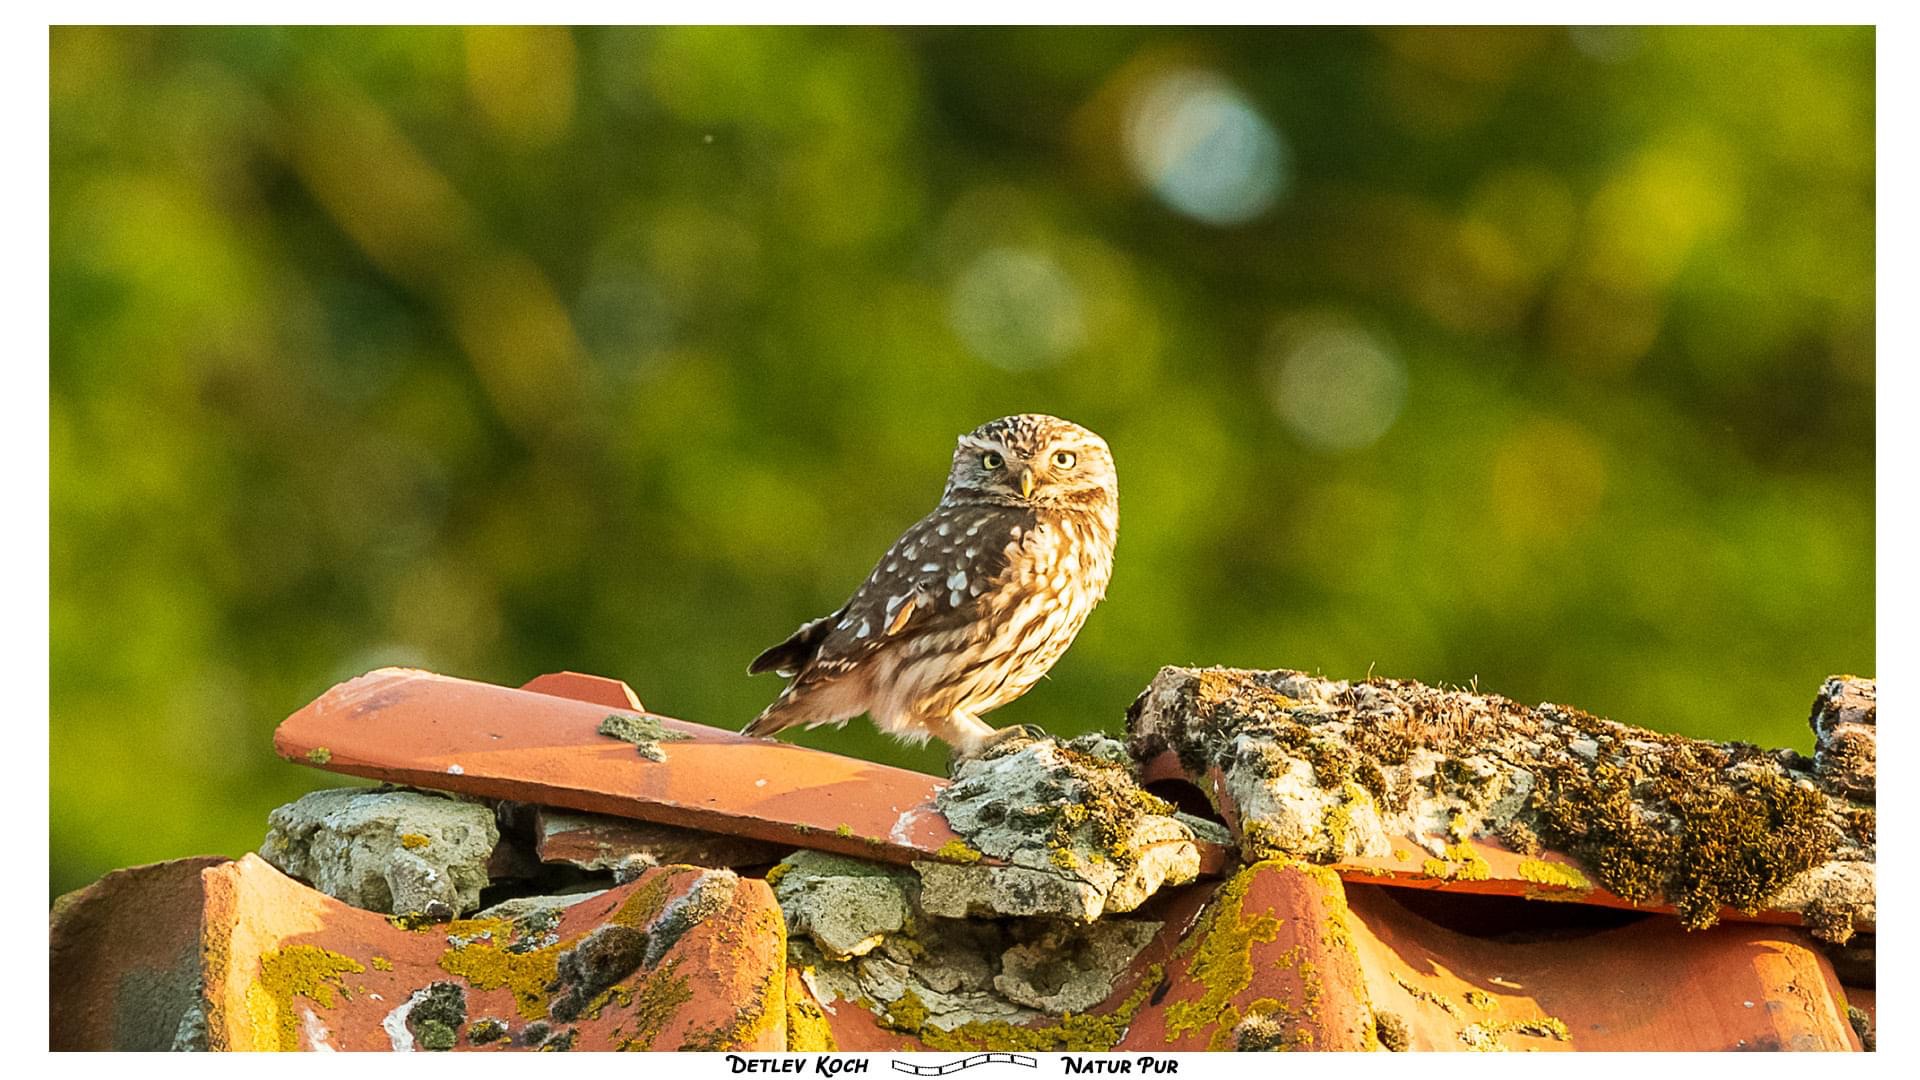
[[646, 733], [1554, 875], [435, 1035], [1862, 1025], [487, 1029], [306, 971], [656, 1000], [1462, 863], [1219, 954], [320, 755], [958, 851]]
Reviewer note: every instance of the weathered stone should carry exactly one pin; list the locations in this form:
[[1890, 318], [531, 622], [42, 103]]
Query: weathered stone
[[1304, 767], [1844, 720], [1070, 969], [394, 851], [1080, 836], [846, 906]]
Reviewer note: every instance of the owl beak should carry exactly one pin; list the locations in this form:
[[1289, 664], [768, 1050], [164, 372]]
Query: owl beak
[[1026, 484]]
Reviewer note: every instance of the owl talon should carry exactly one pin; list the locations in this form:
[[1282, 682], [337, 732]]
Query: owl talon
[[1005, 741]]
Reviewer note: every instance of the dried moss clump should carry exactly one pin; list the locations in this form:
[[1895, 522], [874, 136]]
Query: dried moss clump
[[1727, 842], [486, 1030], [1391, 1030], [646, 733]]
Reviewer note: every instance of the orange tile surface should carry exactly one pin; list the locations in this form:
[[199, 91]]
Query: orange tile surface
[[124, 953], [288, 968], [1649, 985], [414, 727]]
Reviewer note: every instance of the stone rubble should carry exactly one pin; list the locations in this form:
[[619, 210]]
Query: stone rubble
[[395, 851]]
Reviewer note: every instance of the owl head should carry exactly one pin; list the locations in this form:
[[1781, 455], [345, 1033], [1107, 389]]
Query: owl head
[[1033, 460]]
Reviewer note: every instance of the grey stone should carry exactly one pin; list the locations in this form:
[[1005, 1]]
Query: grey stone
[[1080, 835], [393, 851], [846, 906]]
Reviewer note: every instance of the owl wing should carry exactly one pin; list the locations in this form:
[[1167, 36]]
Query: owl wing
[[938, 567]]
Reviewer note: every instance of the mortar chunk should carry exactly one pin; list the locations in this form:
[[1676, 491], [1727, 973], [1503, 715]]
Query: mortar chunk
[[847, 906], [393, 851], [1078, 835]]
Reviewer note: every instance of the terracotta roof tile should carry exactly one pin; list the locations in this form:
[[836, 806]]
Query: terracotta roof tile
[[124, 954], [414, 727], [681, 958]]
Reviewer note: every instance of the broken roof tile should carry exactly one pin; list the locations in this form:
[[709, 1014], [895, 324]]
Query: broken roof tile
[[681, 958], [125, 951]]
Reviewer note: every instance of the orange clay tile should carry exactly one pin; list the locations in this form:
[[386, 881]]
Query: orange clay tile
[[1266, 967], [289, 968], [1507, 871], [540, 744], [125, 950], [1647, 985], [597, 842], [597, 689], [427, 730]]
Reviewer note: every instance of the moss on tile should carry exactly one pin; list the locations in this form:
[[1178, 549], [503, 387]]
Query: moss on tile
[[807, 1028], [1559, 876], [657, 999], [307, 971], [1219, 953], [957, 850]]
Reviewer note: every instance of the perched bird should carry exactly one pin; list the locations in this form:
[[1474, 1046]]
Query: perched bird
[[972, 605]]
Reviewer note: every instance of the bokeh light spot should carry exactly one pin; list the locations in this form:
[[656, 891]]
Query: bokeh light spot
[[1016, 309], [1335, 385], [1201, 146]]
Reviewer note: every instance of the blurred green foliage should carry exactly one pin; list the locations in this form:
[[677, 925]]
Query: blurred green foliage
[[1537, 357]]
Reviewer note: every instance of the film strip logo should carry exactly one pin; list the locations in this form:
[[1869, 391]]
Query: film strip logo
[[966, 1063]]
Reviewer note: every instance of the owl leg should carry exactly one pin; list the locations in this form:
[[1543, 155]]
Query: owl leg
[[963, 731]]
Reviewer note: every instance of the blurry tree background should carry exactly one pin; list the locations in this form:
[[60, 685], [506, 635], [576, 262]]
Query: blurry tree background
[[1543, 357]]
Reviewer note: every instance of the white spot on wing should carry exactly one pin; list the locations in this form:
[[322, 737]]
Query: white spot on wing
[[931, 568], [864, 629], [957, 580]]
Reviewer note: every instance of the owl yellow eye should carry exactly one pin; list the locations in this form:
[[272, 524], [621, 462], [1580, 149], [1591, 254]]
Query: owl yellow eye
[[1063, 459], [992, 460]]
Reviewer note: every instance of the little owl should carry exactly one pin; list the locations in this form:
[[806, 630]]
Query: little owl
[[972, 605]]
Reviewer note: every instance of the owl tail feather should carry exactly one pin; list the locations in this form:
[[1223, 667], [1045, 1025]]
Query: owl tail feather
[[793, 654], [774, 718]]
